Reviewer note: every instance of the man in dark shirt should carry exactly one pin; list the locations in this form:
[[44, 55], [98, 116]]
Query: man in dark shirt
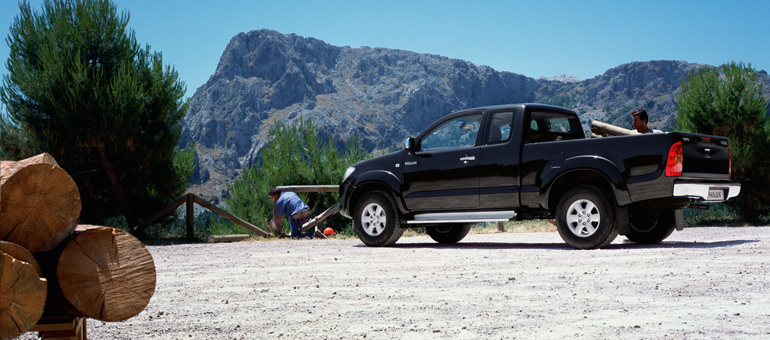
[[289, 204]]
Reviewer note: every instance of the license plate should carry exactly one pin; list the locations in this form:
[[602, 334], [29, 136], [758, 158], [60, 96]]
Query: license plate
[[716, 195]]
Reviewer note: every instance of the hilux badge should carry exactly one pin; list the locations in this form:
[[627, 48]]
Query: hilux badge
[[410, 163]]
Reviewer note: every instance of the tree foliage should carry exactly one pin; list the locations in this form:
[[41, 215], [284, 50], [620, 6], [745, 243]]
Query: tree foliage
[[294, 155], [727, 101], [82, 88]]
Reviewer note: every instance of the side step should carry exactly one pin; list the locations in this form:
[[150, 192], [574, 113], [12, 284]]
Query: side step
[[464, 217]]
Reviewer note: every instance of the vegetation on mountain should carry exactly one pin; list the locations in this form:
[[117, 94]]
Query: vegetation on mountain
[[81, 88]]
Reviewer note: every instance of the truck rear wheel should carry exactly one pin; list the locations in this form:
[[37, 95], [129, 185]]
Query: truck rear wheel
[[376, 220], [585, 218], [648, 227], [448, 233]]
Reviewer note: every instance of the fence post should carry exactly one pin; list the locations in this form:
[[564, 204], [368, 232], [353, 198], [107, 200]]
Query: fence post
[[190, 217]]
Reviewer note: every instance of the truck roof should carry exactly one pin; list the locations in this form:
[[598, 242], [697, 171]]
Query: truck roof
[[517, 106]]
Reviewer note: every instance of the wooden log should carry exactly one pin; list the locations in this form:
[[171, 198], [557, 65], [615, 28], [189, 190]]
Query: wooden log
[[612, 129], [106, 273], [22, 296], [227, 238], [39, 203], [18, 252], [315, 220], [309, 188]]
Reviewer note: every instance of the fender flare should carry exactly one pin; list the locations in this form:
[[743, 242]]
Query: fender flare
[[378, 177], [599, 165]]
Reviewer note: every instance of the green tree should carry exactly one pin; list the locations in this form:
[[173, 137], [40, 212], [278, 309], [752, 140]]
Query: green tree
[[294, 155], [727, 101], [82, 88]]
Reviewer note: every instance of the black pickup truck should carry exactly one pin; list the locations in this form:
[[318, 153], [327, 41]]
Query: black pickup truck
[[532, 161]]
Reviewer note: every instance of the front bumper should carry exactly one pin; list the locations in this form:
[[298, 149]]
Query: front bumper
[[709, 192], [346, 188]]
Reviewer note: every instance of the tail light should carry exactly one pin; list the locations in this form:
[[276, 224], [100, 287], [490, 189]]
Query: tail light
[[730, 157], [674, 162]]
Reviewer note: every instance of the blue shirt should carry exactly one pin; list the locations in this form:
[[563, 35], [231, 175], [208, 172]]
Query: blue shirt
[[288, 204]]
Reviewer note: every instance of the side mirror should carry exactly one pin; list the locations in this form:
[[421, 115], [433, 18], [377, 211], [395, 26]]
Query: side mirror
[[409, 145]]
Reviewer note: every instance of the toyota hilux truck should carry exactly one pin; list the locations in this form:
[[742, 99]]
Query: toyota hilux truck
[[532, 161]]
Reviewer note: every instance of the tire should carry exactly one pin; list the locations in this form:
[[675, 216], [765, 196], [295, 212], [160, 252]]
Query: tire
[[448, 233], [585, 218], [376, 220], [648, 227]]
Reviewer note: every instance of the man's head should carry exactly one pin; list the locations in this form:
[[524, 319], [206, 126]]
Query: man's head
[[274, 194], [640, 120]]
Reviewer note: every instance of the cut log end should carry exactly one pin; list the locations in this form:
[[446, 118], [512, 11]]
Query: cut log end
[[22, 296], [40, 205], [18, 252], [106, 274]]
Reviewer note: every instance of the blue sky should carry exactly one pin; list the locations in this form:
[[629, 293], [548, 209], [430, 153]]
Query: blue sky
[[533, 38]]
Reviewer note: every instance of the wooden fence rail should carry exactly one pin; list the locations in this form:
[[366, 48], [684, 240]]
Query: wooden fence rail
[[190, 199]]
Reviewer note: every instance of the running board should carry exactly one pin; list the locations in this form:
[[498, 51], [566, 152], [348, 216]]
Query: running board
[[464, 217]]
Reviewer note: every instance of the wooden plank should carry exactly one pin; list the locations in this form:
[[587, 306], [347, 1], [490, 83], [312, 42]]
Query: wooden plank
[[309, 188], [227, 238], [55, 323], [315, 220], [229, 216], [62, 328]]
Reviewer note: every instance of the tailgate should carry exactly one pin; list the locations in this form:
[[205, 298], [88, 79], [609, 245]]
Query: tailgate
[[705, 156]]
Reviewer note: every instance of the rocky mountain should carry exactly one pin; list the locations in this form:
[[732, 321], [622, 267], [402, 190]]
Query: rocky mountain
[[383, 95], [563, 78]]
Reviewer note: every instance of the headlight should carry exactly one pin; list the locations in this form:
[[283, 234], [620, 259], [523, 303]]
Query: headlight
[[348, 172]]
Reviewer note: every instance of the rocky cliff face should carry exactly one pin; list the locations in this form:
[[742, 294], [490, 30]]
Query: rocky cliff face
[[382, 96]]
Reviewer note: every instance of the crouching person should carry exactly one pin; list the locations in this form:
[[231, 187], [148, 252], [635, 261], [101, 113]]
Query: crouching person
[[290, 205]]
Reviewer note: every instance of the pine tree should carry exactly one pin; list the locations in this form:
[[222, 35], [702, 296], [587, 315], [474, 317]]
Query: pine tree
[[83, 89], [727, 101]]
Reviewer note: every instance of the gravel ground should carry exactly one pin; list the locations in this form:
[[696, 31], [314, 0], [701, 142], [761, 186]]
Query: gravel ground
[[700, 283]]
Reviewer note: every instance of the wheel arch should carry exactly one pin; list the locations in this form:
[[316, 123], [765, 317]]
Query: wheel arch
[[375, 181], [569, 179]]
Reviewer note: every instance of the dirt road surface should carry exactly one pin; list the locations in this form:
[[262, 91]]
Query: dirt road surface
[[700, 283]]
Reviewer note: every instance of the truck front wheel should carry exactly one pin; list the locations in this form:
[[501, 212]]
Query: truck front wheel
[[585, 218], [376, 220], [648, 227], [448, 233]]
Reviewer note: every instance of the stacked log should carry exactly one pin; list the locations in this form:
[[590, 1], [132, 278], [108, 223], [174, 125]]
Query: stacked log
[[51, 266], [102, 273], [22, 296], [39, 203]]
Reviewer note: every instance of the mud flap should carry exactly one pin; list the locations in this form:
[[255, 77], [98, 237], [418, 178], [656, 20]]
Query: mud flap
[[622, 221], [679, 218]]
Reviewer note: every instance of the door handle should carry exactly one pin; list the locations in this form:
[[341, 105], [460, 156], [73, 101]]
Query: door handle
[[467, 158]]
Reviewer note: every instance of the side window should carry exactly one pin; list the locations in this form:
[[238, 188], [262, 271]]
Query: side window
[[560, 125], [553, 126], [456, 133], [500, 127]]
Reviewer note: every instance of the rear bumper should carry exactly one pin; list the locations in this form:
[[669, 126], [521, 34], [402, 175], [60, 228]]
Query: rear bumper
[[707, 191]]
